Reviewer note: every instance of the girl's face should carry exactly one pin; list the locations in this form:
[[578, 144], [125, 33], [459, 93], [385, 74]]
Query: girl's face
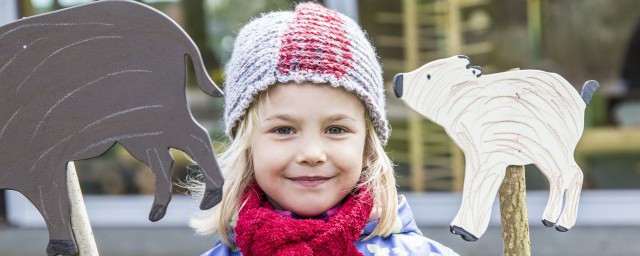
[[307, 148]]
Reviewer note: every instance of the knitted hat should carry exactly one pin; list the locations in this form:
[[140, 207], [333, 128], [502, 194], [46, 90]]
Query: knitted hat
[[312, 44]]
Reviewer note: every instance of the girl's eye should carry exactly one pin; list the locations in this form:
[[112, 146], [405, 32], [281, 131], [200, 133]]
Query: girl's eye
[[283, 130], [335, 130]]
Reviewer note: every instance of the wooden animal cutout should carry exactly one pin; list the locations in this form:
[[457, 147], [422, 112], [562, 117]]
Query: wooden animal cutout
[[510, 118], [76, 81]]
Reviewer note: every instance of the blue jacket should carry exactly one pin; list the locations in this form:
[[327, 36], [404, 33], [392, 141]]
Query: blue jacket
[[405, 240]]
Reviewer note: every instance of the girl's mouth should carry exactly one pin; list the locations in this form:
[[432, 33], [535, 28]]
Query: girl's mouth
[[310, 181]]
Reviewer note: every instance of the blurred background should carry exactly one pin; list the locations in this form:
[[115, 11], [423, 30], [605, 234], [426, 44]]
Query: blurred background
[[578, 39]]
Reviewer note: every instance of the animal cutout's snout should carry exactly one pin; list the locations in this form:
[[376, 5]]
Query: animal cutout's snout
[[397, 85]]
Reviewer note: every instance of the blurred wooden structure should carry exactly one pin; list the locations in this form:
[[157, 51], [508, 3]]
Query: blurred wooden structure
[[608, 140], [410, 33], [433, 29]]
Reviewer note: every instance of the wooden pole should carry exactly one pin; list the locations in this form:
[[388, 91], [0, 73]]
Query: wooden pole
[[411, 56], [26, 8], [454, 47], [79, 218], [454, 28], [513, 213], [534, 24]]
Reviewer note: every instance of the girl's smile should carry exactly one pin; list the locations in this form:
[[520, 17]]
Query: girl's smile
[[309, 181], [308, 145]]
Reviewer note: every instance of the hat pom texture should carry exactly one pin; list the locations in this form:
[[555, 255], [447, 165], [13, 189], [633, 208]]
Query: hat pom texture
[[312, 44]]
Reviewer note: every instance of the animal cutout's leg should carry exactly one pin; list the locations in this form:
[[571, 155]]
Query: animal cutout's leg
[[51, 198], [556, 191], [196, 143], [573, 187], [481, 185], [160, 161]]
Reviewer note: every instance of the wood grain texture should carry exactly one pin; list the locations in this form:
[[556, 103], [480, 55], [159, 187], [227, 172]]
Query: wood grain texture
[[512, 118], [513, 213], [80, 224]]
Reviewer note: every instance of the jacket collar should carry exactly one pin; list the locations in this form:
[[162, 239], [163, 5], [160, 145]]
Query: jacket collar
[[405, 223]]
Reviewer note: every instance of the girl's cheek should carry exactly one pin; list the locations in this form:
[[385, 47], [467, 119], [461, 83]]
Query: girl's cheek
[[345, 160]]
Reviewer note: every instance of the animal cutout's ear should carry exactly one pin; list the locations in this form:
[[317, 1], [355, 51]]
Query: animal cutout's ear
[[76, 81], [476, 70]]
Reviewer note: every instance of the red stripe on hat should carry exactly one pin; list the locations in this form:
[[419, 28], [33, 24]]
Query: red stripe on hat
[[315, 41]]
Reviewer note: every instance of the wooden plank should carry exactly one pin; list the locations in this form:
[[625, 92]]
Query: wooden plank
[[454, 30], [397, 18], [478, 21], [478, 48], [398, 41], [534, 24], [414, 125], [473, 3], [393, 64], [429, 55], [389, 41], [608, 141], [439, 149]]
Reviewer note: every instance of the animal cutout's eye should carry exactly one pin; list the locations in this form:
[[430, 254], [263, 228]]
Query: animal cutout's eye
[[428, 76]]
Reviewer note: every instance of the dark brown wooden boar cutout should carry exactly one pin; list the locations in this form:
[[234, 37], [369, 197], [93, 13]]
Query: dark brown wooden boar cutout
[[76, 81]]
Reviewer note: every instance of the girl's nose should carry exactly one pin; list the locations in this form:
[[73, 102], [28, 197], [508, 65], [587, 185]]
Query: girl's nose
[[311, 151]]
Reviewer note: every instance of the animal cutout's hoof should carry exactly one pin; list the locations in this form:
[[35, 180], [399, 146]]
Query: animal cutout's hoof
[[157, 212], [548, 223], [463, 233], [562, 229], [62, 247], [211, 198]]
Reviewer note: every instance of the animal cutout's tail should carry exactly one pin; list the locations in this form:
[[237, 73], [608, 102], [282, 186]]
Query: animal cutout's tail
[[202, 78], [588, 88]]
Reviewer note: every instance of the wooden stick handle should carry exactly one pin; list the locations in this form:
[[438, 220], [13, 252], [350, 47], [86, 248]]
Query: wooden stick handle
[[513, 213], [79, 218]]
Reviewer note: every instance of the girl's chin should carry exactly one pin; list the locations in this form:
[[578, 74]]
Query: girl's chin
[[309, 203], [310, 209], [306, 212]]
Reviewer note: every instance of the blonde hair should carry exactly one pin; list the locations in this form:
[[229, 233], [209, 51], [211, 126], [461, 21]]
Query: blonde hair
[[237, 169]]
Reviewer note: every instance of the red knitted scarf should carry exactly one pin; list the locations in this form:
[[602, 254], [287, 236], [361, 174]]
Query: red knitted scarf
[[261, 231]]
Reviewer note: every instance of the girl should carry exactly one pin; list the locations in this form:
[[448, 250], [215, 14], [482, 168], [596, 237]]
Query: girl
[[306, 172]]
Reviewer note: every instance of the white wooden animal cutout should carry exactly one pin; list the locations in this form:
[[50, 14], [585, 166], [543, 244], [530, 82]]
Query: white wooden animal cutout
[[511, 118]]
